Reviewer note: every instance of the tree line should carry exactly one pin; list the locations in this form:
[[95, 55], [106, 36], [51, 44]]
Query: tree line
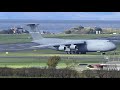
[[11, 31], [88, 30]]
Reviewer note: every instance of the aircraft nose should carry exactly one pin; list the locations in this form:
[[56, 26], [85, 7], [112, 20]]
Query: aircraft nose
[[112, 46]]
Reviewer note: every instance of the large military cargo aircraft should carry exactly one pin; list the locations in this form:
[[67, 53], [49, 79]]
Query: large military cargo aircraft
[[69, 46]]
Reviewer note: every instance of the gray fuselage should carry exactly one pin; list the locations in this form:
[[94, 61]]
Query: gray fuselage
[[89, 46]]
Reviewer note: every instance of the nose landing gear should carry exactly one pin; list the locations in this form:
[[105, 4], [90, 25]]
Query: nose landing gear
[[103, 53]]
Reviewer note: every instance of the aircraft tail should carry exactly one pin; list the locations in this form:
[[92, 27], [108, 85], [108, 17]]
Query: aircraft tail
[[34, 31]]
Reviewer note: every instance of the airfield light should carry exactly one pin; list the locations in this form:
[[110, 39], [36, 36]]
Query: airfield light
[[6, 52]]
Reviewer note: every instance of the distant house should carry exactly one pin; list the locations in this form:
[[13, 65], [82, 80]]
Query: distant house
[[98, 30], [19, 30]]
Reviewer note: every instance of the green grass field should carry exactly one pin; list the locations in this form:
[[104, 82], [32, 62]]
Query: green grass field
[[10, 38], [36, 62], [39, 62]]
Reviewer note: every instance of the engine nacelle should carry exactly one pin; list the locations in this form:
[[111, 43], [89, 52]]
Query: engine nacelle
[[73, 46], [61, 48]]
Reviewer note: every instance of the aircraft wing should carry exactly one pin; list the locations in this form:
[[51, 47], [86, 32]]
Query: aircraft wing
[[58, 44]]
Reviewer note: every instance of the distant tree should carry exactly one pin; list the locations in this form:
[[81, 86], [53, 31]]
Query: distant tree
[[18, 31], [75, 28], [4, 32], [10, 31], [68, 32], [98, 29], [68, 63], [91, 31], [80, 27], [53, 61]]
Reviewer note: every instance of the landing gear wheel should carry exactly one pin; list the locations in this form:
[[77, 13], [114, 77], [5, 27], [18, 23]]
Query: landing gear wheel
[[73, 52], [103, 53], [77, 52], [66, 52]]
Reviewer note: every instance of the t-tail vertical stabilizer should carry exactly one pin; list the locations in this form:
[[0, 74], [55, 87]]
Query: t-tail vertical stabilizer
[[35, 33]]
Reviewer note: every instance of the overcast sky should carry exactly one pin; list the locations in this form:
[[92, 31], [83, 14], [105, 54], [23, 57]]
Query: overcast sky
[[61, 15]]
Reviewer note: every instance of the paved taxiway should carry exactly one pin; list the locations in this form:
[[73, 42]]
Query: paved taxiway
[[16, 47]]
